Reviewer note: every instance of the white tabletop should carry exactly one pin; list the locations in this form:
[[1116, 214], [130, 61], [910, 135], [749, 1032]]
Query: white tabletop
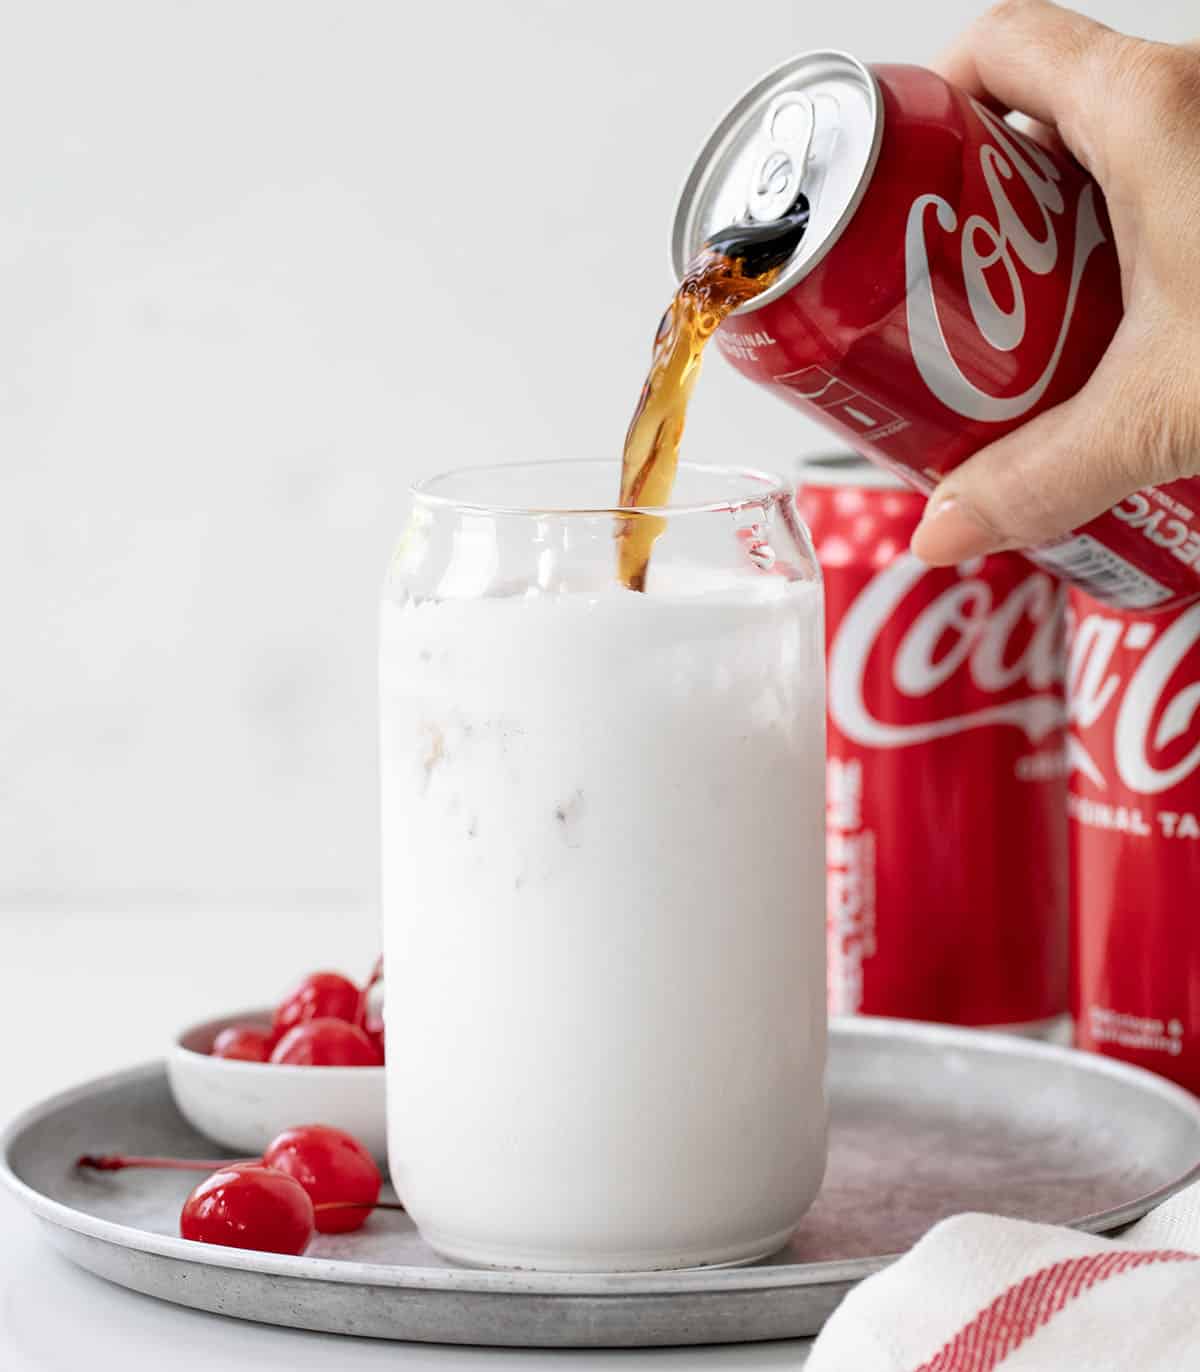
[[119, 984]]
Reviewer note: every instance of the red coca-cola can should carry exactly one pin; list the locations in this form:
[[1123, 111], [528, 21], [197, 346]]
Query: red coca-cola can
[[955, 279], [946, 800], [1134, 803]]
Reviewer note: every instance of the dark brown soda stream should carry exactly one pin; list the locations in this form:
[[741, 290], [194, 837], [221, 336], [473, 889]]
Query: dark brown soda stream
[[732, 267]]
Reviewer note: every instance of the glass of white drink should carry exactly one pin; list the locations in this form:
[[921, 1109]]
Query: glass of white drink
[[603, 836]]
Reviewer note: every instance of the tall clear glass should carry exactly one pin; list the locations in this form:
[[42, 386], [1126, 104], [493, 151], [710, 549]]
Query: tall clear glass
[[603, 848]]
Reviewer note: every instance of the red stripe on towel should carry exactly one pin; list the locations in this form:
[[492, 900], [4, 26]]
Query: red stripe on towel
[[1028, 1305]]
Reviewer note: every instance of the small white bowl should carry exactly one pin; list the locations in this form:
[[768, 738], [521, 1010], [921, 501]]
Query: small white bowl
[[243, 1105]]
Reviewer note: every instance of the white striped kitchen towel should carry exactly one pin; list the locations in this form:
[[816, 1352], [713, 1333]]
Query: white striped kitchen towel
[[979, 1292]]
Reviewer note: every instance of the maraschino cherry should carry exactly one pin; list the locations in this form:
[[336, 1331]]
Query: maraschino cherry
[[249, 1206], [336, 1171], [321, 995], [326, 1043], [245, 1042], [334, 1168]]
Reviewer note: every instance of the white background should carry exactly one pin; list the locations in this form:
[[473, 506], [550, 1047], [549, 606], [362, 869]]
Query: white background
[[263, 262]]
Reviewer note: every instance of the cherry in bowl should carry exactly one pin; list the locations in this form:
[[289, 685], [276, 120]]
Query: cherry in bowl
[[242, 1103]]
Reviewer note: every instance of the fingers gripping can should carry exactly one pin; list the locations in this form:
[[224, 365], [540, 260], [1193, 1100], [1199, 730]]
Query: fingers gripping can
[[955, 279], [946, 796], [1135, 835]]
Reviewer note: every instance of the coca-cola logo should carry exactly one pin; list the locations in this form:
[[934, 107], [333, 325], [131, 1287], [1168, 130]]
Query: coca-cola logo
[[998, 643], [1002, 241], [1156, 704]]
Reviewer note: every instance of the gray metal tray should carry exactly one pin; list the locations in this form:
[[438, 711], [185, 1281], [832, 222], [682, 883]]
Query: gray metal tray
[[927, 1122]]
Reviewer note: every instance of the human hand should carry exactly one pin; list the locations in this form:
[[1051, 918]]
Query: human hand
[[1129, 111]]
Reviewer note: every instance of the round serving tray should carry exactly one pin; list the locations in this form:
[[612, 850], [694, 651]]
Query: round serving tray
[[926, 1122]]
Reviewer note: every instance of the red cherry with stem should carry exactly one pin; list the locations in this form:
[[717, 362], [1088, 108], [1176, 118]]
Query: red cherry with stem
[[250, 1206], [332, 1166], [321, 995], [326, 1043], [352, 1175], [245, 1042]]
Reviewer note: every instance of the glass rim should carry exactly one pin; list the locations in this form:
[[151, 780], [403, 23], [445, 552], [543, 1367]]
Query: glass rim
[[767, 487]]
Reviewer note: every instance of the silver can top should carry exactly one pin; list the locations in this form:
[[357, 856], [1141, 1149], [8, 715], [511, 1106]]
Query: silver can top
[[812, 125], [849, 469]]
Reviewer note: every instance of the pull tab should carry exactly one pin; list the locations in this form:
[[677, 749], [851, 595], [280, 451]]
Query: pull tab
[[779, 168]]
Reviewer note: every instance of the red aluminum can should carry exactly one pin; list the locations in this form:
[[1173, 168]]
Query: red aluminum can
[[946, 801], [1134, 804], [955, 280]]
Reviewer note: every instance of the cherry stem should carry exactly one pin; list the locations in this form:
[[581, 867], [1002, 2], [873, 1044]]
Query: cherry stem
[[117, 1162], [359, 1205]]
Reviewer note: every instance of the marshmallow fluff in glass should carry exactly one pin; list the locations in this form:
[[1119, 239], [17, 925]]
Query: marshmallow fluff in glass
[[603, 871]]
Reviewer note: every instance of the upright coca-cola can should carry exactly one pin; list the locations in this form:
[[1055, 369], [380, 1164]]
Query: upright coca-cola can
[[946, 800], [954, 280], [1134, 693]]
